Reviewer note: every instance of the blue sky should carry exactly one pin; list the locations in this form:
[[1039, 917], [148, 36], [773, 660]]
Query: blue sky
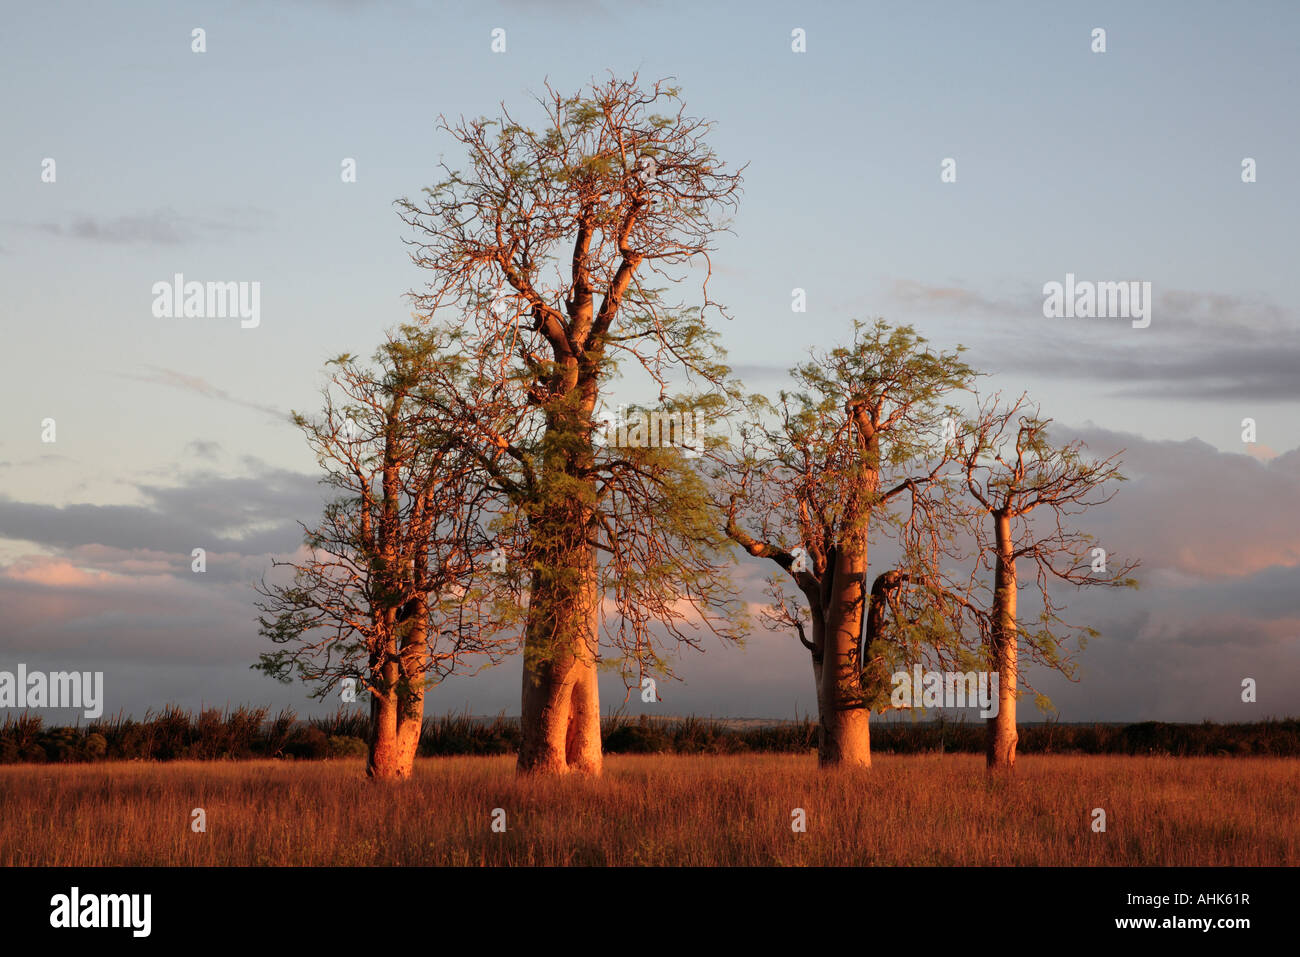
[[225, 166]]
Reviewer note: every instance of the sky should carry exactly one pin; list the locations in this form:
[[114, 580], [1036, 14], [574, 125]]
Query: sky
[[225, 165]]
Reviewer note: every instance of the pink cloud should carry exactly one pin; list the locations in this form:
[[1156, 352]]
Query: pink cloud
[[52, 573]]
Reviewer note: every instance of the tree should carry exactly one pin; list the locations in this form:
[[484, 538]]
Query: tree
[[1011, 471], [546, 251], [396, 590], [854, 444]]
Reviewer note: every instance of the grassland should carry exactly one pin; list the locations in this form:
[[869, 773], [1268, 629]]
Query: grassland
[[658, 810]]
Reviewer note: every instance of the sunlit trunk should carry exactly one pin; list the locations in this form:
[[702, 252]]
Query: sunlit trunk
[[384, 759], [397, 663], [582, 747], [1002, 736], [397, 714], [560, 704], [845, 735], [410, 696]]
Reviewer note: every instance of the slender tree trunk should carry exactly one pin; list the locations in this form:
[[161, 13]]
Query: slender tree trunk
[[817, 654], [817, 678], [817, 647], [1002, 736], [845, 736], [397, 704]]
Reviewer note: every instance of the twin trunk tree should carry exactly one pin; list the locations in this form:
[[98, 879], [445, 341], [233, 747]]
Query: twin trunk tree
[[394, 593], [859, 438], [545, 252]]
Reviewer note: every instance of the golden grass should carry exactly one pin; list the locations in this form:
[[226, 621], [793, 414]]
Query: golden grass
[[692, 810]]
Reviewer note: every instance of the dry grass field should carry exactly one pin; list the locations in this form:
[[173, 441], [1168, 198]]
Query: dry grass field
[[658, 810]]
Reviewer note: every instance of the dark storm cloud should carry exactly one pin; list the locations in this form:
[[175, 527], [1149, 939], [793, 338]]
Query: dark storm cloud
[[248, 515], [1189, 509], [1200, 345]]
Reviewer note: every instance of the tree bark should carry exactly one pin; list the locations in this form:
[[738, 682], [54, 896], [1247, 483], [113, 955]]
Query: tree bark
[[397, 664], [397, 713], [382, 761], [561, 703], [1002, 736], [845, 736], [817, 659], [845, 739]]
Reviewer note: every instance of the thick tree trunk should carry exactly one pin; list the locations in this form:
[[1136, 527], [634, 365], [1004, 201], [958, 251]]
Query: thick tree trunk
[[395, 722], [394, 739], [845, 739], [1002, 736], [561, 703], [845, 736], [410, 693], [382, 762], [560, 706], [582, 749], [397, 715]]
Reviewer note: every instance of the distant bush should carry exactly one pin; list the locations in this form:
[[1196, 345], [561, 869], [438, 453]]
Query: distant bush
[[341, 746], [620, 736], [344, 723], [462, 734], [307, 742], [246, 733]]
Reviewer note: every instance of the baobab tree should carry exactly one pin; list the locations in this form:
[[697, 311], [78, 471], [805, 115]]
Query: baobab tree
[[554, 251], [846, 456], [1024, 494], [396, 589]]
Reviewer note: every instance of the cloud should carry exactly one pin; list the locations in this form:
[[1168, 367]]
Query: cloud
[[1190, 508], [55, 573], [111, 588], [953, 299], [200, 386], [163, 227], [46, 458], [1201, 345], [203, 449], [253, 516], [751, 370]]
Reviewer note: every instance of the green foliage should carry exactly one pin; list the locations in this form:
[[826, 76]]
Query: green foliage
[[544, 250]]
